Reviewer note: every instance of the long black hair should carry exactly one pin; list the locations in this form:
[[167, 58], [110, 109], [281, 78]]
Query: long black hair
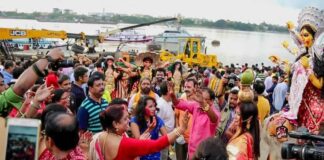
[[106, 65], [250, 110], [140, 111], [173, 67]]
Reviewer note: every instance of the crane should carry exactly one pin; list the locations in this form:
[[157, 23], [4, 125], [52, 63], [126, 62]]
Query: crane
[[140, 25], [7, 34]]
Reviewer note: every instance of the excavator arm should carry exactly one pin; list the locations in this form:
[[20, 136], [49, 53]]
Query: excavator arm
[[15, 33]]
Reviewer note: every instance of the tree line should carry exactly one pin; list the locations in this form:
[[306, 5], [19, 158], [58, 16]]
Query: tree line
[[58, 15]]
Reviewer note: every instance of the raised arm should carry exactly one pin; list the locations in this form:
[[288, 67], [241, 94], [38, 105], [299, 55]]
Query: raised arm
[[12, 97], [28, 78], [182, 104], [212, 114], [129, 65], [143, 147]]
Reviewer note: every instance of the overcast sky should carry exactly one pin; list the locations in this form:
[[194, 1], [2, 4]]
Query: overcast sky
[[253, 11]]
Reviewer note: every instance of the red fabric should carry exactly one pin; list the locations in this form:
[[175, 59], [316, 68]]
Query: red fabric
[[311, 97], [13, 113], [206, 82], [52, 79], [14, 110], [75, 154], [131, 148], [249, 149]]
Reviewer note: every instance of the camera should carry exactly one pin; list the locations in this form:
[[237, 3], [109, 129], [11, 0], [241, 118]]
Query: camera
[[61, 64], [310, 150], [232, 78]]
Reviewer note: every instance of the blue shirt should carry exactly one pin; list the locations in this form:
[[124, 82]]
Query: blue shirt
[[154, 135], [6, 76], [279, 95], [88, 114], [79, 95]]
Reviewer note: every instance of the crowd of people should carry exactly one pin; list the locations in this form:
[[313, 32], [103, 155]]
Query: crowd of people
[[109, 108]]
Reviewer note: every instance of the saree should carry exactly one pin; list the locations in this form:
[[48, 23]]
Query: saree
[[75, 154], [241, 148]]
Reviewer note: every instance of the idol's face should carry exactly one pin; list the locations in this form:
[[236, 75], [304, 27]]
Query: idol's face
[[307, 38]]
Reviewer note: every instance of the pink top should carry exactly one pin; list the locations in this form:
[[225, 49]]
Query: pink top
[[202, 127]]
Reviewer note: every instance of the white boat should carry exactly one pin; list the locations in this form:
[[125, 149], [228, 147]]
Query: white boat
[[129, 36], [173, 36], [171, 40]]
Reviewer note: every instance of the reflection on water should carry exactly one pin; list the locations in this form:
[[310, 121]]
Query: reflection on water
[[235, 46]]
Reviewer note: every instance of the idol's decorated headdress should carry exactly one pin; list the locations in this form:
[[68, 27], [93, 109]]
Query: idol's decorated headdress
[[310, 16]]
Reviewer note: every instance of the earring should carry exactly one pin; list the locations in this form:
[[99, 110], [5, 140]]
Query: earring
[[248, 126]]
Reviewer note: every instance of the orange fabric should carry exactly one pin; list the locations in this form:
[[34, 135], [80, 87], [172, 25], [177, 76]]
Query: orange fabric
[[179, 118], [244, 143]]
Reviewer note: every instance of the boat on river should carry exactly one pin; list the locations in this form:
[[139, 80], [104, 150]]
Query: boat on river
[[129, 36], [171, 40]]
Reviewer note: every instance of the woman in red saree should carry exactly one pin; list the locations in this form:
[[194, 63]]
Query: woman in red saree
[[113, 144], [244, 144]]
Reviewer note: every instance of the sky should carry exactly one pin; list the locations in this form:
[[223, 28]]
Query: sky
[[248, 11]]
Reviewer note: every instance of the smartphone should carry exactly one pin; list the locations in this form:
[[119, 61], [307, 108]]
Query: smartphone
[[22, 139], [151, 119]]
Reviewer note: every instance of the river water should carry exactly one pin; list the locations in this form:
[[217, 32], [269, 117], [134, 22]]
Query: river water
[[235, 46]]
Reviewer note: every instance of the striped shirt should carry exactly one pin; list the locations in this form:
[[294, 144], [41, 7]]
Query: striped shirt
[[88, 114], [261, 76]]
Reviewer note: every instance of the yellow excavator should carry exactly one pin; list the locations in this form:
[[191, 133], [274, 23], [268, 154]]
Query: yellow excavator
[[191, 53], [7, 34]]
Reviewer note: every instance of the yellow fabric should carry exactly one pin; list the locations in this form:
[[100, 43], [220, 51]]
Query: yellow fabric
[[214, 85], [147, 74], [263, 108], [138, 97], [106, 96]]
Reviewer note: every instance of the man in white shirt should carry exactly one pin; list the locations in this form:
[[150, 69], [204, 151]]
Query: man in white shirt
[[268, 81], [166, 113], [279, 94], [164, 104]]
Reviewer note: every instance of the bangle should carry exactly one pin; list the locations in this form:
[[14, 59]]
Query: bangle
[[22, 115], [177, 132], [37, 71]]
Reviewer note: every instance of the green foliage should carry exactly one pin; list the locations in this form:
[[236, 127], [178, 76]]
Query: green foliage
[[69, 16]]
